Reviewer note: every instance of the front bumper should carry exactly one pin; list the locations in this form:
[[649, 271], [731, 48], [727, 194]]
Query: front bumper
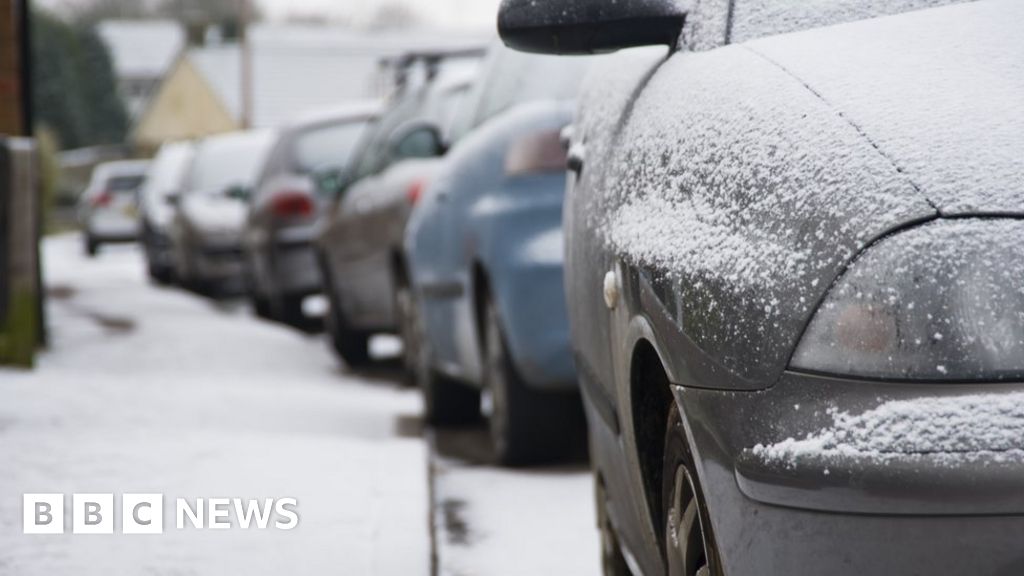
[[847, 511]]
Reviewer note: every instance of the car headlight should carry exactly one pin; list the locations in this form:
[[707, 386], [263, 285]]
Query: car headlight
[[944, 301]]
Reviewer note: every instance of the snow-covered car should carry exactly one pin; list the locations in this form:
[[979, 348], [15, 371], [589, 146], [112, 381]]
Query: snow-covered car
[[793, 266], [109, 208], [280, 261], [164, 180], [206, 231], [485, 261]]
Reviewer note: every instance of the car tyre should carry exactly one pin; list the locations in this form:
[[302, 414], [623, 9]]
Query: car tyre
[[92, 246], [527, 426], [289, 309], [408, 327], [353, 346], [689, 543], [446, 403]]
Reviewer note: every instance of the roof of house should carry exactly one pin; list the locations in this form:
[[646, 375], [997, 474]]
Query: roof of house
[[301, 67], [142, 48]]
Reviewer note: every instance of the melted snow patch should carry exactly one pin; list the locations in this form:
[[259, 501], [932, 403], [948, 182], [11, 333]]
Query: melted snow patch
[[956, 429]]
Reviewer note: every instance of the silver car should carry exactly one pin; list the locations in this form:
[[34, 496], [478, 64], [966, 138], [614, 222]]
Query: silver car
[[108, 208], [164, 181], [206, 231], [280, 262]]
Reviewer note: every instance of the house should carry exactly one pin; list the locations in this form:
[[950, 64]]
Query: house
[[294, 68], [142, 51]]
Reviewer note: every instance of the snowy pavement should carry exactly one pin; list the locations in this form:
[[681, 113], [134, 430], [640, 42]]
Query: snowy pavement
[[498, 522], [152, 390]]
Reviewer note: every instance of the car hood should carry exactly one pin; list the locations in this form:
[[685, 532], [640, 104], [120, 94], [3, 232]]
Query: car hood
[[938, 92]]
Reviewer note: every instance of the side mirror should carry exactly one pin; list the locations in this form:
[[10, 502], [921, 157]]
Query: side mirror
[[239, 192], [417, 140], [589, 26]]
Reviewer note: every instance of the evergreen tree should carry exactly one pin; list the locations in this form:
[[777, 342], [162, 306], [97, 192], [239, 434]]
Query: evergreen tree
[[74, 89]]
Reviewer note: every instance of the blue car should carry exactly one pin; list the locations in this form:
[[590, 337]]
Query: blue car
[[486, 264]]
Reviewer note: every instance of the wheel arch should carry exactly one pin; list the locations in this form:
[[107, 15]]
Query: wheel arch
[[650, 398]]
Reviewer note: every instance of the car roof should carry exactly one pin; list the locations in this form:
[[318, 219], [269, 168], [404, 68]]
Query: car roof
[[121, 168], [938, 92], [340, 113]]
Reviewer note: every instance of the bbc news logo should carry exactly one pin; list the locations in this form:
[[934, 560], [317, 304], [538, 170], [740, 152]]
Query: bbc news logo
[[144, 513]]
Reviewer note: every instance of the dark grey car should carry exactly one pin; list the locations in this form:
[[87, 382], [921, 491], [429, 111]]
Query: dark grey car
[[793, 268], [281, 267], [361, 241]]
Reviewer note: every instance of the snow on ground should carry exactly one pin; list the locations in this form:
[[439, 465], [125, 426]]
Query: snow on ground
[[148, 390], [498, 522]]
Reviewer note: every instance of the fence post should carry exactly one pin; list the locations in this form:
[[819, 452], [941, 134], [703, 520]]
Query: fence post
[[19, 325]]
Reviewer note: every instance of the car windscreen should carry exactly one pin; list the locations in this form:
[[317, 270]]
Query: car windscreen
[[168, 171], [373, 156], [125, 184], [526, 77], [329, 145], [235, 161]]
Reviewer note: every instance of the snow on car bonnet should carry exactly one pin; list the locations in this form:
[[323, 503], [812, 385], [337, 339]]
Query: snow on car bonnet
[[938, 91], [953, 429]]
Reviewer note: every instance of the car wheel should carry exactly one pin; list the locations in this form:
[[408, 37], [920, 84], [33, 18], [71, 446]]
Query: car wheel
[[289, 309], [353, 346], [160, 276], [689, 544], [260, 306], [527, 426], [446, 402], [92, 246], [613, 562], [409, 331]]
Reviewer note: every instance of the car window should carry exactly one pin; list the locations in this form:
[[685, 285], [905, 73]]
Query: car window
[[125, 183], [375, 155], [168, 172], [221, 163], [324, 146], [512, 78]]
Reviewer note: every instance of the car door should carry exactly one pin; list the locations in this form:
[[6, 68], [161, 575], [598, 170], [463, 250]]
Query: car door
[[598, 279]]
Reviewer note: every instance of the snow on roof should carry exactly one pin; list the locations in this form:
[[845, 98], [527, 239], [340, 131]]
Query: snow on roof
[[296, 68], [142, 48], [939, 92]]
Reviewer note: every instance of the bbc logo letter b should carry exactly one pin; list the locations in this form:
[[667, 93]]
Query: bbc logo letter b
[[92, 513], [43, 513]]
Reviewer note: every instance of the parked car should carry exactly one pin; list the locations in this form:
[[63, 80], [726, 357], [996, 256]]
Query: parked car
[[281, 266], [794, 274], [164, 181], [206, 232], [485, 256], [108, 208], [361, 242]]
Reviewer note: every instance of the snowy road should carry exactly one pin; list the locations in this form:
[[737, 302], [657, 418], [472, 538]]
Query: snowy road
[[150, 390]]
